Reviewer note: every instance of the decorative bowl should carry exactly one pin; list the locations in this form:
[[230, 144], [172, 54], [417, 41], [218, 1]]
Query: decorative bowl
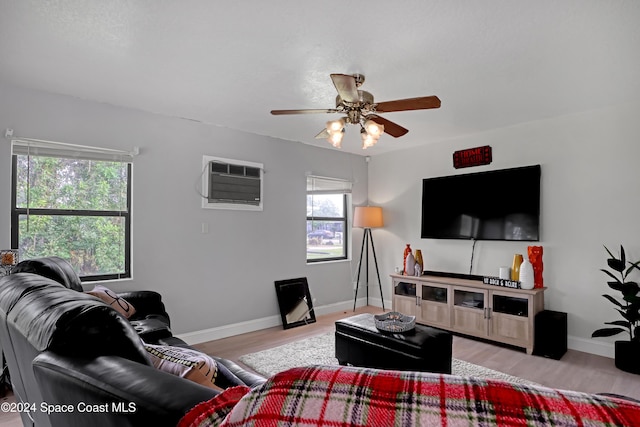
[[394, 322]]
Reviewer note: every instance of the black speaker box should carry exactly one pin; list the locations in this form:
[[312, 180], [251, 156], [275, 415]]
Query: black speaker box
[[550, 334]]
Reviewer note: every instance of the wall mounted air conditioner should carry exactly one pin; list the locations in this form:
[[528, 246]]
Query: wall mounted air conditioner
[[232, 184]]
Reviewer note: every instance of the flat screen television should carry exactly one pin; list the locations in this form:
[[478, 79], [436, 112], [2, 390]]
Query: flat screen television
[[495, 205]]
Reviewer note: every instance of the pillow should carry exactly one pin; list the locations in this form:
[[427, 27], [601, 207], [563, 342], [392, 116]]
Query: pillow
[[121, 305], [184, 362]]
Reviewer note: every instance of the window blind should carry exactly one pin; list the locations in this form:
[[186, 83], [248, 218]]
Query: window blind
[[36, 147], [324, 185]]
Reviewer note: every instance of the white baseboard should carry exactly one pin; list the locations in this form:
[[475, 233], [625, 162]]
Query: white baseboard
[[591, 346], [377, 302], [225, 331], [230, 330], [574, 343]]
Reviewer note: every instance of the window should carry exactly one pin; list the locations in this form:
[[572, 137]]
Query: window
[[327, 231], [73, 202]]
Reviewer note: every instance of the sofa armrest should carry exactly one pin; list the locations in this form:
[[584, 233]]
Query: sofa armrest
[[146, 303], [245, 376], [119, 392]]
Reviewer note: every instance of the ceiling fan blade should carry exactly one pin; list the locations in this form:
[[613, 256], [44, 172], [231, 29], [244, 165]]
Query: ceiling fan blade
[[324, 134], [421, 103], [310, 111], [393, 129], [346, 87]]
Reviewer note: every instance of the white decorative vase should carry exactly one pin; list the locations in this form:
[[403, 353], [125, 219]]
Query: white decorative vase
[[411, 265], [417, 270], [526, 275]]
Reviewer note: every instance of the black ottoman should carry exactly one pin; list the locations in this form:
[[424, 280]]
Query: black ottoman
[[360, 343]]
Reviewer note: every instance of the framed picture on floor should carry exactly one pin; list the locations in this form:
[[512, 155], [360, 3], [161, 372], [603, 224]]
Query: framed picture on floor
[[294, 300]]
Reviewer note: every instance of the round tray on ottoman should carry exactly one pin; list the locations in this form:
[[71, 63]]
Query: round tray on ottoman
[[394, 322]]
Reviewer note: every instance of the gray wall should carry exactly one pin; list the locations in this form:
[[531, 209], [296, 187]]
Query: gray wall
[[211, 280], [590, 198], [225, 277]]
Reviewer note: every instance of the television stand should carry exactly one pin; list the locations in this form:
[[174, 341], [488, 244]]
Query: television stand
[[470, 307]]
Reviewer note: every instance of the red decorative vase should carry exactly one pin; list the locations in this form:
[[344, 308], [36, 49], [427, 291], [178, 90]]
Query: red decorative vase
[[407, 251], [535, 257]]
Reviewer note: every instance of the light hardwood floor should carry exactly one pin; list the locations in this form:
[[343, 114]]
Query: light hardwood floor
[[575, 371]]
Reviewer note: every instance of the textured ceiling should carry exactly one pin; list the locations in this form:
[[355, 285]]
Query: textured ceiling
[[493, 63]]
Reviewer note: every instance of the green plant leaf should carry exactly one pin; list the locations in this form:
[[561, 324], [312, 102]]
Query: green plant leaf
[[616, 264], [624, 315], [609, 252], [630, 289], [633, 284], [633, 265], [610, 274], [633, 313], [632, 299], [616, 286], [613, 300], [619, 323], [607, 332], [623, 258]]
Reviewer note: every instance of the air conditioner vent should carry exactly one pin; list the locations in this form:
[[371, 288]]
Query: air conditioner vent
[[233, 185], [219, 167], [253, 172]]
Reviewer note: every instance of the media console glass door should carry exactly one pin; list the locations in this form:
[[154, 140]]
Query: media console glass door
[[470, 311], [434, 305]]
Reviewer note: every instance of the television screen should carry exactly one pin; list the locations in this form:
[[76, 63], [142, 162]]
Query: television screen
[[495, 205]]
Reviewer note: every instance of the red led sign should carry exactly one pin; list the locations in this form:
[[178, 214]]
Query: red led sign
[[472, 157]]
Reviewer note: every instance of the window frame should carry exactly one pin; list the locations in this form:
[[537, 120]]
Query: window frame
[[344, 219], [126, 215]]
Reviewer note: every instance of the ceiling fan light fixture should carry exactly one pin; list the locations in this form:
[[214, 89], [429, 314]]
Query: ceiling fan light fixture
[[374, 129], [335, 126], [368, 140], [335, 138]]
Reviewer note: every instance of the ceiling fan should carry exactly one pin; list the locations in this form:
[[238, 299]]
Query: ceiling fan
[[360, 109]]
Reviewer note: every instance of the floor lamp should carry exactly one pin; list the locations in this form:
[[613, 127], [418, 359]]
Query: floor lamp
[[367, 217]]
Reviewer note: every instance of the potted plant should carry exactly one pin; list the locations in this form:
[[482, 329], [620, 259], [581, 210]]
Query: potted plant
[[627, 353]]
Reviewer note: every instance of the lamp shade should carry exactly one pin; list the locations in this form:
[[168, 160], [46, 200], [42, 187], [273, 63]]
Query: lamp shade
[[368, 217]]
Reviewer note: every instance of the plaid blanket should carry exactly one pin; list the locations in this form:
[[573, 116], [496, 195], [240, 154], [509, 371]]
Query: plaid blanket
[[348, 396]]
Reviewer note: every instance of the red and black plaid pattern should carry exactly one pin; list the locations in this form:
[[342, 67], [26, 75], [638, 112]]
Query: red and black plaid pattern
[[213, 412], [347, 396]]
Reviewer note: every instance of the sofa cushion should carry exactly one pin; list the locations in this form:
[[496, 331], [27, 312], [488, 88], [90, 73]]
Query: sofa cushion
[[112, 299], [186, 363]]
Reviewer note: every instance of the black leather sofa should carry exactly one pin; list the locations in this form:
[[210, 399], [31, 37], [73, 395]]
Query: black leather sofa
[[75, 361]]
